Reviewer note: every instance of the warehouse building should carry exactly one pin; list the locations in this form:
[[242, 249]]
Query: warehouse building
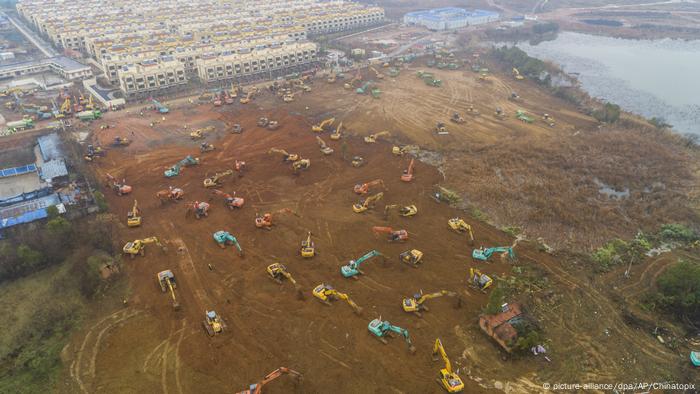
[[449, 18]]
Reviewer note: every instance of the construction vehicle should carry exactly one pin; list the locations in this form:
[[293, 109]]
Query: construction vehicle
[[411, 257], [484, 254], [499, 114], [66, 106], [367, 203], [278, 272], [415, 304], [162, 109], [377, 73], [372, 138], [407, 175], [514, 97], [200, 209], [288, 98], [460, 226], [352, 268], [393, 235], [472, 111], [364, 188], [138, 246], [234, 91], [120, 142], [121, 188], [231, 201], [248, 97], [308, 248], [273, 125], [479, 280], [228, 100], [457, 118], [301, 164], [357, 161], [448, 379], [405, 211], [364, 88], [335, 136], [319, 128], [517, 75], [399, 150], [213, 323], [93, 152], [239, 166], [522, 116], [263, 121], [484, 75], [547, 118], [199, 133], [166, 280], [393, 72], [325, 149], [430, 81], [265, 221], [218, 99], [186, 162], [133, 217], [171, 194], [331, 77], [256, 388], [19, 125], [286, 156], [441, 129], [376, 93], [206, 147], [236, 129], [383, 328], [326, 293], [87, 116], [224, 238], [215, 180]]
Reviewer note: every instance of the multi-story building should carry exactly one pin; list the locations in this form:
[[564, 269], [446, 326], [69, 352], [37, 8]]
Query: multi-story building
[[449, 18]]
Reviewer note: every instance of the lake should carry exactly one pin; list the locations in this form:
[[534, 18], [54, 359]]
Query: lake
[[652, 78]]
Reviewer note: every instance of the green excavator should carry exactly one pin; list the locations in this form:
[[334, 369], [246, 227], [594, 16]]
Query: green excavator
[[186, 162], [484, 254], [383, 328], [224, 238], [352, 268]]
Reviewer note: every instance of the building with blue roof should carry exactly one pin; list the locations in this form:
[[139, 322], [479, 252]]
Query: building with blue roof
[[449, 18]]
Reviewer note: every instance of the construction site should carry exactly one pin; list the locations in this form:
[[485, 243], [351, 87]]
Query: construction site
[[301, 224]]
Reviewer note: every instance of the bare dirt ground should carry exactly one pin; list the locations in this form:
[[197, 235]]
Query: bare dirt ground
[[146, 346]]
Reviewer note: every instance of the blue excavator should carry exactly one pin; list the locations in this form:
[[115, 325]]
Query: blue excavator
[[383, 328], [224, 238], [352, 268], [484, 254], [186, 162], [160, 107]]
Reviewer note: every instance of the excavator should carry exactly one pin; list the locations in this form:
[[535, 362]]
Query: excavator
[[286, 156], [364, 188], [325, 149], [406, 211], [237, 128], [121, 188], [301, 164], [547, 118], [171, 194], [367, 203], [448, 379], [499, 114], [278, 272], [265, 221], [372, 138], [516, 74], [383, 328], [133, 217], [472, 111], [120, 141], [224, 238], [93, 152], [206, 147], [415, 304], [231, 201], [479, 280], [457, 118], [166, 280], [331, 77], [326, 293], [411, 257], [215, 180], [186, 162], [273, 125], [234, 91], [256, 388], [199, 133], [319, 128], [138, 246], [200, 208], [308, 249], [399, 150], [377, 73], [357, 161], [394, 235], [248, 97], [335, 136], [484, 254], [66, 106], [213, 323], [263, 122], [352, 268], [441, 129], [407, 175], [460, 226]]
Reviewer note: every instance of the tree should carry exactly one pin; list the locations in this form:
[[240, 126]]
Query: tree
[[29, 258], [610, 113], [679, 289], [100, 201], [59, 227], [52, 212]]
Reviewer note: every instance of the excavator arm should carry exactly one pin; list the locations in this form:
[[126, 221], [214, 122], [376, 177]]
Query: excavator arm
[[439, 349], [437, 294], [256, 388]]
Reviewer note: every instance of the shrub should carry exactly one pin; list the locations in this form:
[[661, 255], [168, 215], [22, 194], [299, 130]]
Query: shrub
[[679, 290], [678, 232], [100, 201], [29, 258], [609, 113]]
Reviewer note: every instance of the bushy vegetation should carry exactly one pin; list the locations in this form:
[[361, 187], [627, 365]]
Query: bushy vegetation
[[678, 291], [609, 113], [528, 66]]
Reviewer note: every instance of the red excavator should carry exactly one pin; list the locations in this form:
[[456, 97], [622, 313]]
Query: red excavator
[[231, 200], [265, 221], [256, 388], [119, 188], [394, 235], [364, 188], [171, 194], [407, 175], [239, 167], [200, 208]]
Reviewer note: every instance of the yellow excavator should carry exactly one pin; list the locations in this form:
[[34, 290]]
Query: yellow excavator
[[479, 280], [215, 180], [319, 128], [308, 249], [166, 280], [516, 74], [406, 211], [199, 133], [288, 98], [367, 203], [278, 272], [133, 217], [415, 304], [138, 246], [377, 73], [234, 91], [325, 149], [335, 136], [460, 226], [286, 155], [372, 138], [448, 379], [326, 293], [248, 97], [301, 164], [399, 150]]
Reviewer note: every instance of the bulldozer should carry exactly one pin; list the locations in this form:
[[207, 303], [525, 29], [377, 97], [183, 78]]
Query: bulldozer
[[308, 249], [457, 118], [286, 156], [399, 150], [367, 203], [441, 129], [171, 194], [449, 380], [393, 235], [499, 114], [200, 209], [166, 281], [411, 257], [415, 304], [320, 128], [372, 138], [199, 133], [325, 149], [213, 323], [265, 221], [383, 328], [460, 226], [215, 180], [479, 280], [364, 188], [549, 120], [326, 293], [224, 238], [407, 175], [472, 111], [93, 152], [120, 188], [206, 147], [133, 217], [138, 246], [231, 201], [405, 211], [256, 388], [301, 164], [120, 142], [335, 136]]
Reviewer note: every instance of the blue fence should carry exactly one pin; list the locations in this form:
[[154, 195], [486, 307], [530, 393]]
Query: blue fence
[[18, 170]]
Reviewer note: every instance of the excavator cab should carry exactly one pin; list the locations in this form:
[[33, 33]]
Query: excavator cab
[[479, 280], [459, 225], [411, 257], [213, 323], [405, 211], [278, 272], [308, 248]]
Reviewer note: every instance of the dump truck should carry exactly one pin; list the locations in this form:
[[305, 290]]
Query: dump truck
[[89, 115], [21, 124]]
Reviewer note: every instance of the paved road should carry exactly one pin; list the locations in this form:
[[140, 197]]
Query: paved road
[[45, 48]]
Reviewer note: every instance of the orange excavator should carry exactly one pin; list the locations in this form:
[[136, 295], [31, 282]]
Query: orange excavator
[[265, 221], [121, 188], [231, 201], [364, 188], [256, 388], [394, 235], [171, 194], [200, 208], [407, 175]]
